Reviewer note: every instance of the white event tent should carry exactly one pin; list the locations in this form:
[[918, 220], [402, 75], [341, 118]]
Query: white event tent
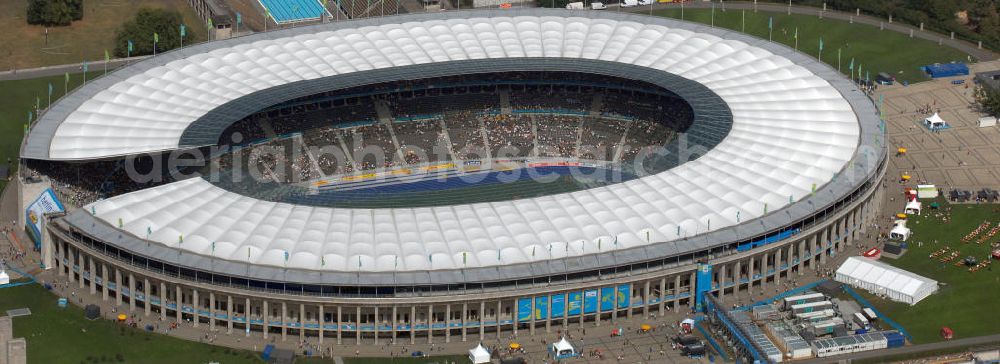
[[935, 121], [912, 208], [479, 354], [883, 279]]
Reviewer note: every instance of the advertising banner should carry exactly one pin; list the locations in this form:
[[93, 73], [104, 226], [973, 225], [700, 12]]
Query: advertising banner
[[607, 299], [44, 204], [524, 309], [558, 305], [624, 295], [541, 307], [575, 303], [590, 301]]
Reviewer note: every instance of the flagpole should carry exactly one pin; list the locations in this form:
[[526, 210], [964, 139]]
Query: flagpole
[[743, 19], [838, 60]]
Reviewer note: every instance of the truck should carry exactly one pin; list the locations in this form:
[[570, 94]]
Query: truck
[[629, 3], [860, 320], [869, 314], [575, 6], [598, 6]]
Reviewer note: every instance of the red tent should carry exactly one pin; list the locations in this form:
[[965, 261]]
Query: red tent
[[947, 333]]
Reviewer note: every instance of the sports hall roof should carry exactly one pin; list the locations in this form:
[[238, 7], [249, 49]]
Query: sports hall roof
[[795, 125]]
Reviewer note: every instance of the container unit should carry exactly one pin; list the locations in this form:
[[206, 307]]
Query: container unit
[[788, 302], [766, 312], [828, 326], [793, 345], [812, 306], [860, 319], [894, 339], [816, 316], [756, 335], [849, 344], [869, 314]]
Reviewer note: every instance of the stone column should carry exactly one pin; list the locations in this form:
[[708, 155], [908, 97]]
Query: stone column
[[322, 318], [663, 295], [465, 319], [430, 323], [515, 318], [677, 292], [195, 306], [163, 301], [750, 272], [246, 317], [777, 266], [737, 275], [378, 320], [105, 281], [447, 323], [394, 324], [131, 292], [339, 325], [179, 302], [265, 318], [229, 314], [800, 256], [302, 321], [691, 288], [482, 321], [722, 282], [548, 315], [93, 275], [499, 309], [357, 330], [531, 317], [645, 299], [81, 268], [413, 324], [211, 311], [147, 291], [284, 321]]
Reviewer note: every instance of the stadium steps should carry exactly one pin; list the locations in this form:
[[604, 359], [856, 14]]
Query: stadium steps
[[301, 142], [534, 136], [347, 151], [486, 139], [579, 137], [382, 111], [621, 143], [447, 139], [265, 125], [505, 102], [597, 104], [392, 136]]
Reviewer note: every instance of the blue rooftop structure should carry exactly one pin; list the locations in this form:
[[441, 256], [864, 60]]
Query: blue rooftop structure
[[290, 11], [947, 70]]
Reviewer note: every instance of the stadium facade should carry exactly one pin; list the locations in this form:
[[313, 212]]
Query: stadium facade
[[792, 178]]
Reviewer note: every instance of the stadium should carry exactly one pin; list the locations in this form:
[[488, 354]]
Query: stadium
[[451, 175]]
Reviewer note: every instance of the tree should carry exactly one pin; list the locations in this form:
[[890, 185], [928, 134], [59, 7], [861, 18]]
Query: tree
[[54, 12], [166, 24], [988, 99]]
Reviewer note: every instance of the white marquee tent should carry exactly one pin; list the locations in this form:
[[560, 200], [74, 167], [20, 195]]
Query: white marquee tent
[[4, 278], [883, 279], [479, 354], [912, 208], [900, 232], [563, 349], [987, 121], [935, 121]]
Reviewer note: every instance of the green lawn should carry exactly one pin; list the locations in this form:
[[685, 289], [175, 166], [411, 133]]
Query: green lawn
[[966, 301], [58, 335], [24, 46], [874, 50], [17, 99]]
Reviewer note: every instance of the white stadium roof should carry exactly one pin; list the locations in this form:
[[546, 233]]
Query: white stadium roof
[[791, 129]]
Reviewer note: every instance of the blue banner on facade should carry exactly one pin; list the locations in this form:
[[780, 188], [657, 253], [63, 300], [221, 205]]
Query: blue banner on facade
[[558, 305], [590, 301], [575, 303], [703, 284], [624, 295], [541, 307], [607, 299], [524, 309]]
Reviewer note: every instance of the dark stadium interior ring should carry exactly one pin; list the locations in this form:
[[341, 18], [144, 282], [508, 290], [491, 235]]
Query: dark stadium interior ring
[[712, 117]]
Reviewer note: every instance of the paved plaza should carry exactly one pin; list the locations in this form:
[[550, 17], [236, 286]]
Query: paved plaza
[[963, 156]]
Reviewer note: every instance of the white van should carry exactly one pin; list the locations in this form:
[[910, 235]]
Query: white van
[[598, 6], [646, 2], [629, 3], [575, 6]]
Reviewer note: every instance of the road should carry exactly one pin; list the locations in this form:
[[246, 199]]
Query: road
[[95, 69], [960, 343]]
